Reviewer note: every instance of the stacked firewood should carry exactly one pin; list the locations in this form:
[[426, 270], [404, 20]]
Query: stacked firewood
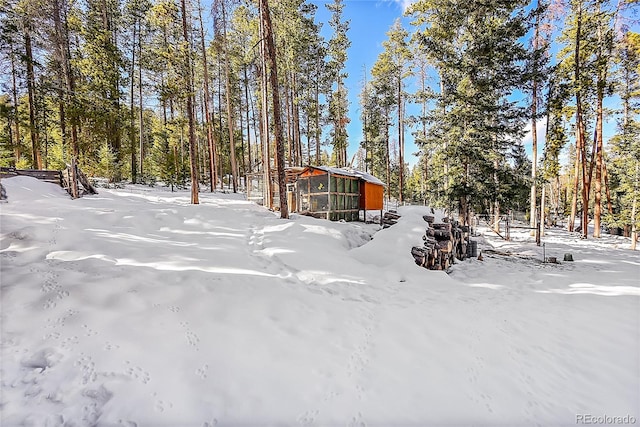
[[390, 218], [443, 243]]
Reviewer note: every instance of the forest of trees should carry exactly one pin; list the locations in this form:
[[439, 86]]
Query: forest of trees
[[201, 94]]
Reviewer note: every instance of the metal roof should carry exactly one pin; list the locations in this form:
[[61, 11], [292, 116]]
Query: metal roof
[[349, 172]]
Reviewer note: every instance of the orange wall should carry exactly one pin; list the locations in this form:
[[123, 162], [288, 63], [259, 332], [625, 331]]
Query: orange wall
[[373, 197], [313, 172]]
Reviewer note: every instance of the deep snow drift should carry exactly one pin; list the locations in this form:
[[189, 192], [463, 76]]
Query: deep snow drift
[[133, 307]]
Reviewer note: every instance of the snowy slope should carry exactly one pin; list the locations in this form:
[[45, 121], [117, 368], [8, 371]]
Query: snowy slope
[[133, 307]]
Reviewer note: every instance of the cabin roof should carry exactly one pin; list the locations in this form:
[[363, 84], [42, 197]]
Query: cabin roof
[[348, 172]]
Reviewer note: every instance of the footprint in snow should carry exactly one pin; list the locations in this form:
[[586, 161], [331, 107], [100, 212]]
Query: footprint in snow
[[308, 418], [202, 371]]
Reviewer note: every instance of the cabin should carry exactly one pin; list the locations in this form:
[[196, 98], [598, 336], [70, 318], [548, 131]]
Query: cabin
[[336, 193], [322, 191], [255, 183]]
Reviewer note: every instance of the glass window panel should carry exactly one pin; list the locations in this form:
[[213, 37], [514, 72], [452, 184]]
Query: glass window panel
[[320, 202], [303, 185]]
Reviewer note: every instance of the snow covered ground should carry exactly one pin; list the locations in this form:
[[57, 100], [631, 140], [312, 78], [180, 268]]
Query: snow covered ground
[[134, 308]]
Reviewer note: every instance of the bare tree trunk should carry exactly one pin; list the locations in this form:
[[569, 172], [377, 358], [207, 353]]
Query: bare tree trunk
[[446, 143], [232, 144], [534, 162], [576, 180], [585, 182], [277, 120], [220, 128], [542, 210], [213, 176], [634, 226], [16, 117], [365, 113], [534, 131], [264, 123], [599, 163], [288, 108], [36, 162], [243, 162], [343, 129], [256, 130], [140, 103], [317, 117], [308, 122], [423, 84], [132, 124], [190, 109], [62, 119], [246, 97], [63, 53], [579, 128], [296, 122], [387, 153], [400, 140], [496, 202]]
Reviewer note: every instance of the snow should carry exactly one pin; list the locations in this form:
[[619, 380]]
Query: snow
[[133, 307]]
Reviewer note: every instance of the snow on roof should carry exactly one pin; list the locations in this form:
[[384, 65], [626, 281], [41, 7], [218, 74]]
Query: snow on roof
[[349, 172]]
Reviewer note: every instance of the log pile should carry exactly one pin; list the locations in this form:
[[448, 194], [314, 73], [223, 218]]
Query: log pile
[[68, 184], [390, 218], [443, 243]]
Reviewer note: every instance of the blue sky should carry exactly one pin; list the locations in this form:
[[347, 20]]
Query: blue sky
[[369, 23]]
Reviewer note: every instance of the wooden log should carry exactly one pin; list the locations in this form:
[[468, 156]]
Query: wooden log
[[435, 255], [51, 176], [444, 262], [391, 215], [457, 233], [420, 255], [429, 240], [442, 235], [445, 246], [462, 251], [441, 226], [85, 182]]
